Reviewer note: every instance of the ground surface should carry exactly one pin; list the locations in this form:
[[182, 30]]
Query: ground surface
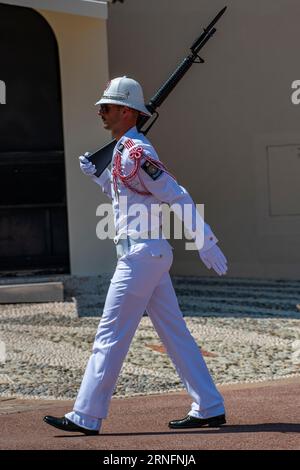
[[258, 417]]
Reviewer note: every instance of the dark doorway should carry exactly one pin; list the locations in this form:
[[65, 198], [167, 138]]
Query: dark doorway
[[33, 212]]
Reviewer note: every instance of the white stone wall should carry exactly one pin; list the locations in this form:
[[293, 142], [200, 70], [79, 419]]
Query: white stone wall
[[82, 46]]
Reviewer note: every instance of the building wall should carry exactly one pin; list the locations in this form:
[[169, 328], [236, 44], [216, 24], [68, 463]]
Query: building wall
[[90, 8], [229, 130], [82, 47]]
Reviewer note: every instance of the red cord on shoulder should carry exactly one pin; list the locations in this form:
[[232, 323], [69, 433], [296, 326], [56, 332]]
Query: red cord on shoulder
[[135, 154]]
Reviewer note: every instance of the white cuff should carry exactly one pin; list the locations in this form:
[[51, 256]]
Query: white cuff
[[85, 421], [209, 239]]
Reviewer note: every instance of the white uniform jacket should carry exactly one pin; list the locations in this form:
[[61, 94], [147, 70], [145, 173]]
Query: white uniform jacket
[[155, 186]]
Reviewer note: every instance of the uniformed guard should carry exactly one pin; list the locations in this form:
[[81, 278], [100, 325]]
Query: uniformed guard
[[141, 280]]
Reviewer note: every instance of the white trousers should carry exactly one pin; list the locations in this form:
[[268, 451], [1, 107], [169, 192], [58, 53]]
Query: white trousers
[[142, 282]]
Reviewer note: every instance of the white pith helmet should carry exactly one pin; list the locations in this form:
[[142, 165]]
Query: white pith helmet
[[125, 92]]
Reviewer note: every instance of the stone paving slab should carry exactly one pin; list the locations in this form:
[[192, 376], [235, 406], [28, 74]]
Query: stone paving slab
[[32, 292]]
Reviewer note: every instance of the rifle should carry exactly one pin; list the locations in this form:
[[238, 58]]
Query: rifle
[[102, 157]]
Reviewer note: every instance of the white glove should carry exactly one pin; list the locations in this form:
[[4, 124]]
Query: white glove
[[214, 258], [86, 166]]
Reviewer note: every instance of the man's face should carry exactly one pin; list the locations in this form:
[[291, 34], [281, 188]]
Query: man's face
[[112, 115]]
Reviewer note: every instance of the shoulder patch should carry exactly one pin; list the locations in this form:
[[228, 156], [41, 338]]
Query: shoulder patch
[[151, 170], [129, 144]]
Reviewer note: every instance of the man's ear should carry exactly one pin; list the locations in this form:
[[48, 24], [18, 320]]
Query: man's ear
[[134, 112]]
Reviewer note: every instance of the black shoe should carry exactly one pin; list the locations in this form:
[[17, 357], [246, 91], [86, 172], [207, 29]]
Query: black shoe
[[191, 422], [66, 425]]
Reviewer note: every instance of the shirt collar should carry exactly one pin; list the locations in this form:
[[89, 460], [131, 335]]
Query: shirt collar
[[130, 134]]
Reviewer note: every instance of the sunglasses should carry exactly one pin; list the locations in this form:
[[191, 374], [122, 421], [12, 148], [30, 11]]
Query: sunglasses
[[104, 108]]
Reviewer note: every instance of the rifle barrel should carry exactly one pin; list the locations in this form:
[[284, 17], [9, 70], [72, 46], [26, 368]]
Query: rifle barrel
[[176, 76], [197, 45]]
